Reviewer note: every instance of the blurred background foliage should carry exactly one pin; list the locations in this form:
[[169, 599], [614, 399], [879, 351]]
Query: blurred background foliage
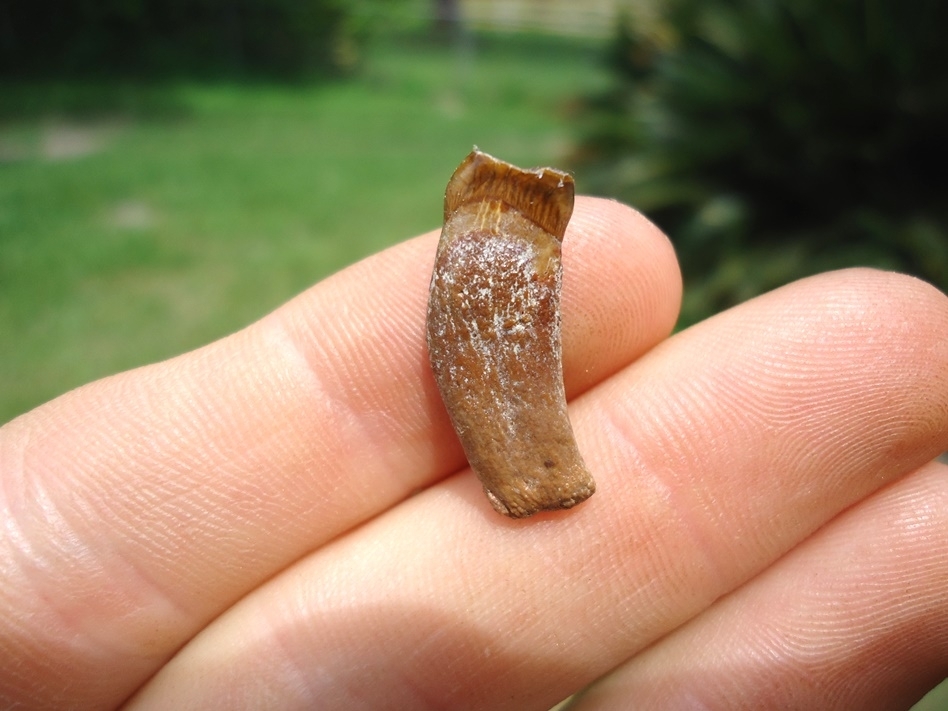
[[770, 139], [148, 212], [275, 38], [778, 138]]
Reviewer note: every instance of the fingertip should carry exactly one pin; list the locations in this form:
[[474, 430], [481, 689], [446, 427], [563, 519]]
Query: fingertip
[[622, 289], [903, 293]]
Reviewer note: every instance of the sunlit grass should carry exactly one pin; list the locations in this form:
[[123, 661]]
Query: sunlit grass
[[140, 222]]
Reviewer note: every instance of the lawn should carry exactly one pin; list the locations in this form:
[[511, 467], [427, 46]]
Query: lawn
[[137, 222]]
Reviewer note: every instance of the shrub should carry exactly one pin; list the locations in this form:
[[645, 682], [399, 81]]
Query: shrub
[[776, 138], [162, 37]]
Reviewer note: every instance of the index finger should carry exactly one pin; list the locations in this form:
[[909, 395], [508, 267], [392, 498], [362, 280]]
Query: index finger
[[139, 507]]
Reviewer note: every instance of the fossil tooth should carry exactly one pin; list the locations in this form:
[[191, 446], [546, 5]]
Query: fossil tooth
[[494, 333]]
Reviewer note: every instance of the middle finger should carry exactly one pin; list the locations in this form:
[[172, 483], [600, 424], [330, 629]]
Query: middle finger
[[716, 453]]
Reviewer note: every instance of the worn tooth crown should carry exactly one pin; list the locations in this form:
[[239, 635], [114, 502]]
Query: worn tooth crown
[[494, 333]]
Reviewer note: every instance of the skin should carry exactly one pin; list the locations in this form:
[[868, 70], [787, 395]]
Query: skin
[[283, 519]]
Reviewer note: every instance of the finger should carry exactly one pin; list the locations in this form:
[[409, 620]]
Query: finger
[[138, 507], [854, 618], [715, 454]]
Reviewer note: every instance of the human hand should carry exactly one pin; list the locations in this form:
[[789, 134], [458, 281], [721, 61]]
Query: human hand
[[283, 519]]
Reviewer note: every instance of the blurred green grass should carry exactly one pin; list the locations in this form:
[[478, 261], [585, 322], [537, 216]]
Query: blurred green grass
[[138, 222]]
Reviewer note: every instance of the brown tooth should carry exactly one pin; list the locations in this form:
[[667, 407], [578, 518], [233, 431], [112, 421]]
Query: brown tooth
[[494, 333]]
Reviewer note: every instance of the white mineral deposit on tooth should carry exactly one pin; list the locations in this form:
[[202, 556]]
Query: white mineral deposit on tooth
[[494, 333]]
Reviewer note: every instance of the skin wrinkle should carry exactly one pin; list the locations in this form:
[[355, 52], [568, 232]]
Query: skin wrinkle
[[666, 511], [658, 526], [354, 353], [296, 673], [676, 495], [22, 555], [673, 456], [41, 556], [323, 402], [165, 514], [348, 681], [66, 628], [296, 374], [111, 578]]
